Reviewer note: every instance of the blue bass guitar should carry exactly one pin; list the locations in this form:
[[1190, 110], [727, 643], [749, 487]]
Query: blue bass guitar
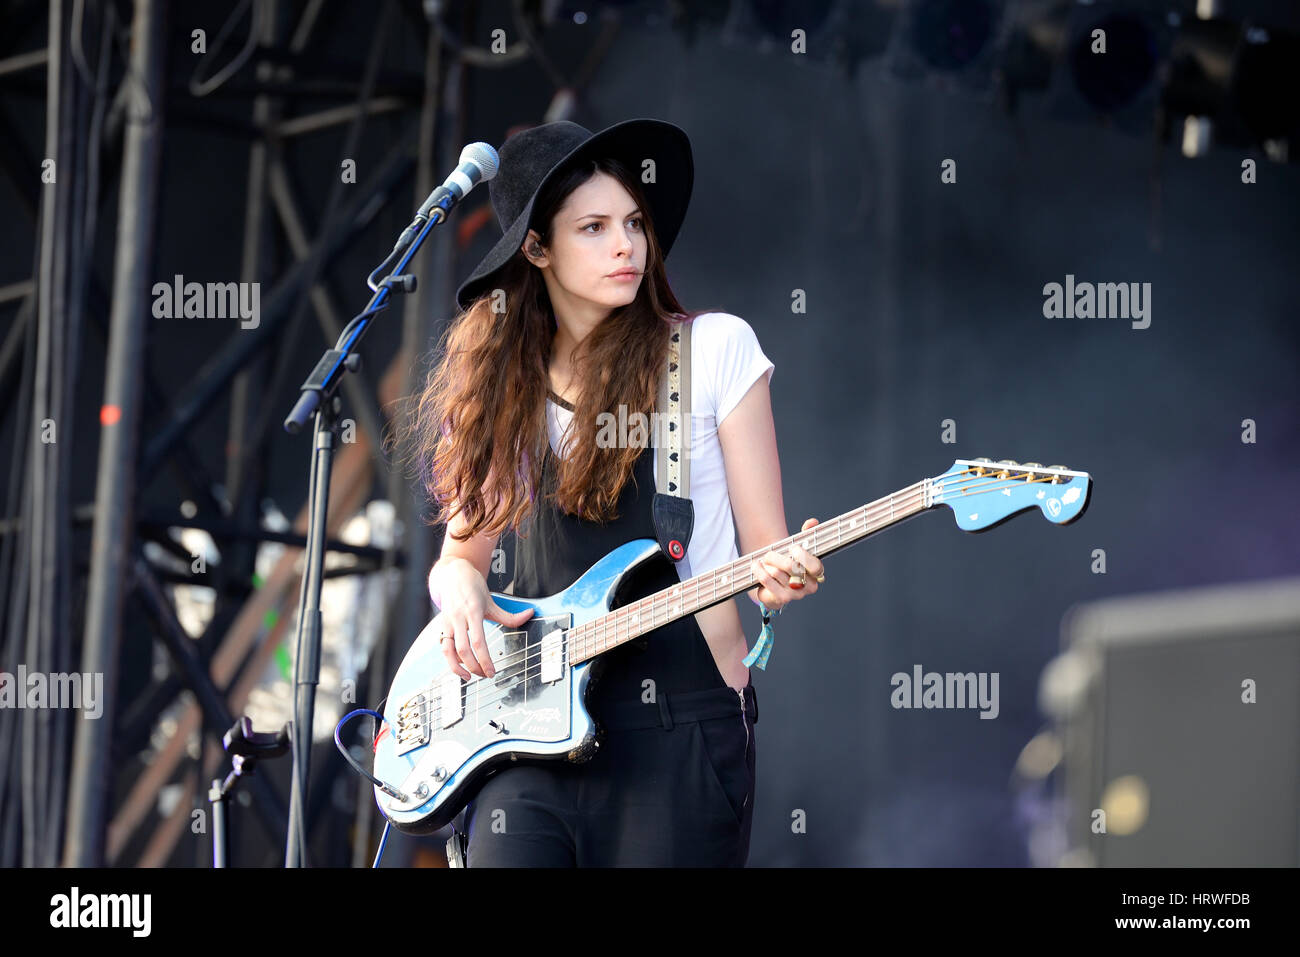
[[443, 736]]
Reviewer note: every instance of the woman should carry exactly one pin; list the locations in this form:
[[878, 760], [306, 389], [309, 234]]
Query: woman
[[569, 316]]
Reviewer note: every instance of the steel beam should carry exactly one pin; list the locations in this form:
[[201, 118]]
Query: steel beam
[[113, 532]]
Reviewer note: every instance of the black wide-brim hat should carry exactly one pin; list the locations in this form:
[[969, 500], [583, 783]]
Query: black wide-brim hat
[[530, 159]]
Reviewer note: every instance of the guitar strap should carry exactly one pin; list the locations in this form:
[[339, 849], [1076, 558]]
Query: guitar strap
[[674, 513]]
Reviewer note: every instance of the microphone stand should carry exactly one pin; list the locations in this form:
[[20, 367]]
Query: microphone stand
[[246, 749], [319, 396]]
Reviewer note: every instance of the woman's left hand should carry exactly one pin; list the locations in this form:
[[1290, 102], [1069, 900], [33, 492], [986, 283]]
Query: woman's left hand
[[776, 568]]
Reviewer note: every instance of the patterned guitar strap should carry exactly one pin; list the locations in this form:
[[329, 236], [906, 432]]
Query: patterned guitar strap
[[674, 514], [672, 509]]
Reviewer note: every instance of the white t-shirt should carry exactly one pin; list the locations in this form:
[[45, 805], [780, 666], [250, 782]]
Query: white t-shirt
[[726, 360]]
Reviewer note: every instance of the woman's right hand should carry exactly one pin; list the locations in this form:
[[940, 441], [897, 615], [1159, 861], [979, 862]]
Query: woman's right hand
[[461, 593]]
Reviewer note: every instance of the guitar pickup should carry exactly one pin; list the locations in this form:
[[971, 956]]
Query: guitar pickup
[[553, 656], [449, 698]]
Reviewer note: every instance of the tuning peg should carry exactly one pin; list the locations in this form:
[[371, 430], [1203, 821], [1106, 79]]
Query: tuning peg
[[1033, 465], [980, 469], [1056, 479], [1006, 473]]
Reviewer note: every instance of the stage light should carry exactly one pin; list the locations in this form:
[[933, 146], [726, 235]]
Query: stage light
[[950, 34], [842, 33], [1035, 40], [1111, 80], [1230, 84], [952, 43], [1264, 93], [1111, 66], [1197, 83]]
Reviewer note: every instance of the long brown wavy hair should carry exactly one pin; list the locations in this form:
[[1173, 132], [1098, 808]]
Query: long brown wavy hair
[[478, 432]]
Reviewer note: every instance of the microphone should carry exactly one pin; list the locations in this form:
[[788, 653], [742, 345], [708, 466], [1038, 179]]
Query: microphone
[[478, 164]]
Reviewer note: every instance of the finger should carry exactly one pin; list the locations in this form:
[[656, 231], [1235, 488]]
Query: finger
[[452, 653], [479, 643], [791, 575], [787, 567], [790, 579], [788, 588], [811, 563], [445, 648], [463, 650], [779, 594], [498, 614], [767, 572], [779, 562], [453, 663]]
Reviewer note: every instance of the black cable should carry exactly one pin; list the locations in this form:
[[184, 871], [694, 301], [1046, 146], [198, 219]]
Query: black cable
[[16, 581], [477, 56], [298, 813], [526, 31], [122, 98], [347, 756], [204, 87], [78, 52], [81, 265]]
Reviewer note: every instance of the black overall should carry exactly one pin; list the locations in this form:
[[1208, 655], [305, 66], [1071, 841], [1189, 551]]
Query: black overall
[[673, 781]]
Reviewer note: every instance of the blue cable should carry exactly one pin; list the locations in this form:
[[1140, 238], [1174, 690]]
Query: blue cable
[[338, 741], [383, 839]]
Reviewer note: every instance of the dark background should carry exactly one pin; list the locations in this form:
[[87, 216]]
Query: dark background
[[924, 303]]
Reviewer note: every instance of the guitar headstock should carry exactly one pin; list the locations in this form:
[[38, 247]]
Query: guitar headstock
[[983, 493]]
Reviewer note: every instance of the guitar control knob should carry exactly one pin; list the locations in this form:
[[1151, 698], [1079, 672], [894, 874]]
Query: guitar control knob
[[439, 774], [422, 790]]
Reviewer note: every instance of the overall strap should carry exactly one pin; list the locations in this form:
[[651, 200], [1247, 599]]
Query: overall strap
[[674, 514]]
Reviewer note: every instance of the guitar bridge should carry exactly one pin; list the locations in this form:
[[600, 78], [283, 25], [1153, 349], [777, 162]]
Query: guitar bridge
[[412, 729]]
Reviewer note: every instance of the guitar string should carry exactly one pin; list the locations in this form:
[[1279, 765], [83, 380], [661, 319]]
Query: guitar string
[[510, 666], [624, 611]]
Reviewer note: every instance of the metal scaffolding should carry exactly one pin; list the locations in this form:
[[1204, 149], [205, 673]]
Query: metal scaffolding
[[86, 124]]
